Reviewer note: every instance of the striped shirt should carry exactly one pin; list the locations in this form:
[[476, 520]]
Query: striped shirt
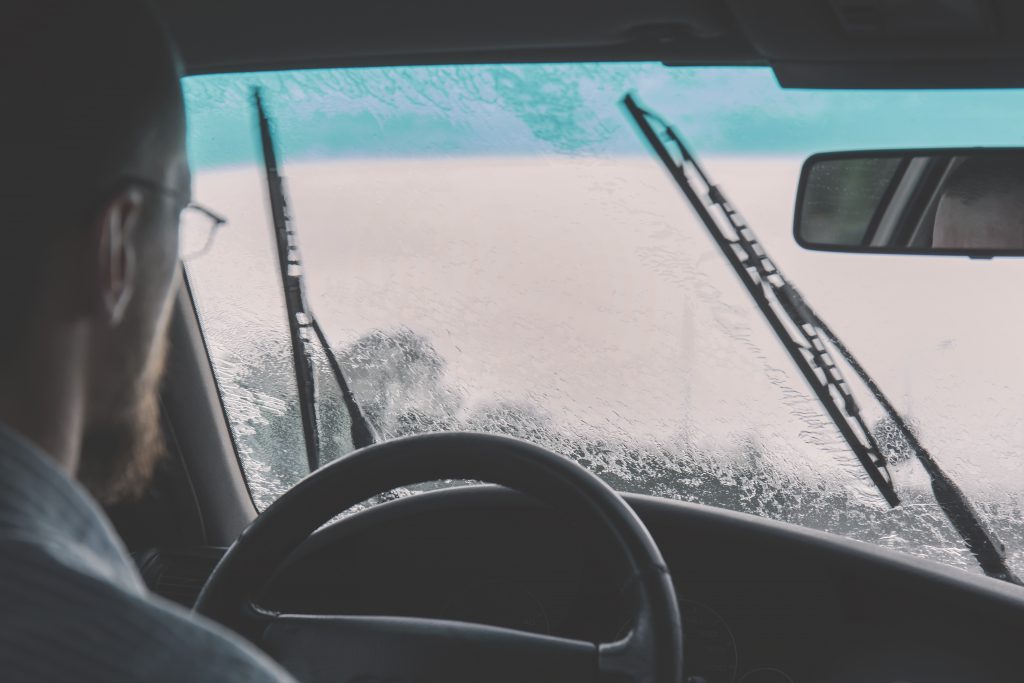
[[72, 605]]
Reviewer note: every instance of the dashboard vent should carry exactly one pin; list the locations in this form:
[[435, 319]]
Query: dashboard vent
[[178, 574]]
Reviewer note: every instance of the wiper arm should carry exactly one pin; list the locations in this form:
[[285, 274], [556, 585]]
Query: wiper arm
[[983, 544], [801, 332], [303, 327]]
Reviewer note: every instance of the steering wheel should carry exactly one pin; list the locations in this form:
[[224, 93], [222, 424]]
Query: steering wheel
[[416, 650]]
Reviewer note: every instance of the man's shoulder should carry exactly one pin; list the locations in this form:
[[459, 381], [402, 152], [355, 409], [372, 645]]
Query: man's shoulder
[[105, 632]]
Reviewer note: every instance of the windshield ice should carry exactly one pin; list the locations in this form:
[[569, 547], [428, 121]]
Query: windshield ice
[[493, 248]]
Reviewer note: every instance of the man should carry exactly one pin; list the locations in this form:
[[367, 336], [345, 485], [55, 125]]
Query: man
[[93, 176], [982, 205]]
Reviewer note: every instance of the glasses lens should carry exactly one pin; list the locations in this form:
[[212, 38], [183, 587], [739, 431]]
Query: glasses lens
[[196, 230]]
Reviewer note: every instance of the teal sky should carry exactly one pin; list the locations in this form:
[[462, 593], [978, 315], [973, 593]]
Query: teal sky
[[573, 109]]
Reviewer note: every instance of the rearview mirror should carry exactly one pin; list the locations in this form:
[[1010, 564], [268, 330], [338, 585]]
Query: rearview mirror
[[960, 202]]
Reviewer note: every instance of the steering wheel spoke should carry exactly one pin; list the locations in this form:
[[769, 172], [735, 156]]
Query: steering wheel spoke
[[415, 650]]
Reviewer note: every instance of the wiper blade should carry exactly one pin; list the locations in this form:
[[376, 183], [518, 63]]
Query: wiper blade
[[776, 298], [803, 334], [303, 327]]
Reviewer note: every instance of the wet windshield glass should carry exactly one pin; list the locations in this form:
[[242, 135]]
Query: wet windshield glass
[[493, 248]]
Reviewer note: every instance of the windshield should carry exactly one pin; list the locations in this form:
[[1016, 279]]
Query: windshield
[[493, 248]]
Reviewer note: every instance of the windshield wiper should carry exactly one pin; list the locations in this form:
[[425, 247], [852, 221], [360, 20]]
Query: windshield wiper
[[803, 334], [303, 327]]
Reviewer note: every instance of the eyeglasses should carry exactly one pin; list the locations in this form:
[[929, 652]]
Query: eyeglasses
[[197, 225]]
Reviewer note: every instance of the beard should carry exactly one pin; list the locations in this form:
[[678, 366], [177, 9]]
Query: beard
[[120, 453]]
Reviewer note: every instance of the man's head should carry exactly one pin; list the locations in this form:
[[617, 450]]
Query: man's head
[[93, 178], [982, 205]]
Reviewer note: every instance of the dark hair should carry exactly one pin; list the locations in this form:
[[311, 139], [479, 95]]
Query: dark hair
[[84, 84], [979, 176]]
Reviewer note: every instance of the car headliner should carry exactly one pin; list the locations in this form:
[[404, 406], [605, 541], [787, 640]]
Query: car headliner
[[810, 43]]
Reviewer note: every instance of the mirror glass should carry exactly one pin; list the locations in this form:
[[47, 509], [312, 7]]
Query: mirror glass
[[966, 202]]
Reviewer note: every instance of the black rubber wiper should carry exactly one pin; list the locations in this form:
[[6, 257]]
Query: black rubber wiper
[[803, 334], [303, 327]]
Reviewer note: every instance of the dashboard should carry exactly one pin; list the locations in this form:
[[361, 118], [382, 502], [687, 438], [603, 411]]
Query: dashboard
[[762, 602]]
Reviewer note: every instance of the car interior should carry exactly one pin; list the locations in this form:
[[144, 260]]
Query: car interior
[[516, 576]]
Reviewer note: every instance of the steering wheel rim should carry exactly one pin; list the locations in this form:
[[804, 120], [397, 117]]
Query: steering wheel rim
[[652, 652]]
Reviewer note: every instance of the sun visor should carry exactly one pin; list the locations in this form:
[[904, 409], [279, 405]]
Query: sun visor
[[901, 75], [888, 43]]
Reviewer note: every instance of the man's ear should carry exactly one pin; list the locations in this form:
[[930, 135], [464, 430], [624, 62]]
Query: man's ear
[[115, 229]]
